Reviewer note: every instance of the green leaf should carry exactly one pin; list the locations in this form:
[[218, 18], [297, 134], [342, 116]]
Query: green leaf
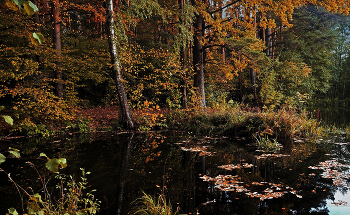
[[40, 212], [29, 10], [36, 198], [63, 162], [53, 164], [15, 153], [2, 158], [8, 119], [19, 2], [43, 155], [35, 8], [39, 37], [30, 209], [2, 107], [13, 211]]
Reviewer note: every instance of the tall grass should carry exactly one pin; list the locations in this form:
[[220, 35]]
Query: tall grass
[[242, 121], [148, 205]]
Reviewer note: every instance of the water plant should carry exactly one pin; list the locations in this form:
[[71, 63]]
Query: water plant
[[244, 121], [267, 144], [151, 205]]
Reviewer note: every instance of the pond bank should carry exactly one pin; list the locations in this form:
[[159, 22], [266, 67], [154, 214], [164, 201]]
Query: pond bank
[[204, 143], [234, 121]]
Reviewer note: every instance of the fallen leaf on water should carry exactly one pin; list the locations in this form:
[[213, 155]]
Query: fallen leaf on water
[[340, 202]]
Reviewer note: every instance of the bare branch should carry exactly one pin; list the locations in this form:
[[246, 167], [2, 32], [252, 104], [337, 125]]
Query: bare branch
[[226, 6]]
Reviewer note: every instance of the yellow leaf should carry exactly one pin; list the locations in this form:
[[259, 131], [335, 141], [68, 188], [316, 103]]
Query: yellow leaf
[[29, 10], [11, 5], [33, 40]]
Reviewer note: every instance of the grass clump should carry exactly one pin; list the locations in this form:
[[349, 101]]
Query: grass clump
[[147, 205], [267, 144], [243, 121]]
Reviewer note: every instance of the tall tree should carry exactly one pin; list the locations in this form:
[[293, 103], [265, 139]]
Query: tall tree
[[57, 46], [312, 40], [340, 62], [183, 61], [116, 68], [198, 53]]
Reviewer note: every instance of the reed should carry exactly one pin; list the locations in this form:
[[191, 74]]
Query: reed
[[241, 121], [147, 205]]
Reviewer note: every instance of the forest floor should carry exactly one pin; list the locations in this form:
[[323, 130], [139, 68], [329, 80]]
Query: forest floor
[[100, 118], [108, 118]]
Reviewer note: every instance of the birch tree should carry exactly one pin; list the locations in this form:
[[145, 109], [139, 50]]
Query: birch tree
[[117, 68]]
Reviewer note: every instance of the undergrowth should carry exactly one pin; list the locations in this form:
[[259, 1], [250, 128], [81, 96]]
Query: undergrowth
[[229, 120], [69, 196], [242, 121]]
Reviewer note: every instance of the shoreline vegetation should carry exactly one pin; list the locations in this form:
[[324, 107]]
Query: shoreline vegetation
[[60, 57], [232, 120]]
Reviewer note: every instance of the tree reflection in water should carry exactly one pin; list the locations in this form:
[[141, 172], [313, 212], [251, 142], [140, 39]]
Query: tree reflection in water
[[209, 175]]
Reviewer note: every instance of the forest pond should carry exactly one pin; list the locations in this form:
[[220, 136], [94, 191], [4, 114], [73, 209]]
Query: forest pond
[[205, 175]]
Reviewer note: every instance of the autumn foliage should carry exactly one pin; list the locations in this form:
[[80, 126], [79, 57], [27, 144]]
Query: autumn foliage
[[173, 55]]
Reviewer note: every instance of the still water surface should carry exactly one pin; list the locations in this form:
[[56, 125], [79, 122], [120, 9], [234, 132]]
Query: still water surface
[[206, 175], [197, 174]]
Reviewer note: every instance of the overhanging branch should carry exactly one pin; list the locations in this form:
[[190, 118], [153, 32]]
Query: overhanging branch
[[226, 6]]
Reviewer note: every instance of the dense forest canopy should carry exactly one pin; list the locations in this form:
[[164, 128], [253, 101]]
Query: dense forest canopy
[[55, 56]]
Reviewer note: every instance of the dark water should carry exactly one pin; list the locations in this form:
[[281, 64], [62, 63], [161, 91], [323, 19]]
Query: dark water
[[332, 114], [189, 171]]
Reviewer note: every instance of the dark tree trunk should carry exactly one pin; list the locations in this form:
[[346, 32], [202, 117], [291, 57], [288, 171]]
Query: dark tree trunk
[[252, 71], [253, 81], [183, 80], [223, 55], [79, 24], [268, 42], [46, 10], [116, 67], [198, 58], [57, 47], [183, 67], [240, 88]]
